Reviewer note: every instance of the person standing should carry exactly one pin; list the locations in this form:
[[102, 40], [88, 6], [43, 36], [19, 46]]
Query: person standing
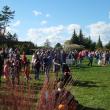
[[37, 66], [56, 66], [27, 70], [46, 66], [6, 70], [2, 58], [90, 57], [24, 60], [67, 75], [1, 67]]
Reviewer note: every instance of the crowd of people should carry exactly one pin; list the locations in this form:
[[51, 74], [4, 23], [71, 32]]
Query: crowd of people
[[12, 63]]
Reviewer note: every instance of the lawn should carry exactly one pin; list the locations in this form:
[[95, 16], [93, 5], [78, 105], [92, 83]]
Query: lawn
[[91, 87]]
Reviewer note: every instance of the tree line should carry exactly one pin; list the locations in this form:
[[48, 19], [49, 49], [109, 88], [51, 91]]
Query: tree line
[[80, 39]]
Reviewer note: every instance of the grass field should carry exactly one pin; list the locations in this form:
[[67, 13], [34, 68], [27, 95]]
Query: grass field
[[91, 89]]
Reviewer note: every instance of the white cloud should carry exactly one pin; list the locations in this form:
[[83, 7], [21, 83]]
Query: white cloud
[[43, 22], [17, 23], [41, 34], [37, 13], [71, 28], [102, 29], [55, 34], [47, 15]]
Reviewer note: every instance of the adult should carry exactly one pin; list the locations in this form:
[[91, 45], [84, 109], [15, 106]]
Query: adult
[[24, 60], [2, 57], [46, 66], [67, 75], [56, 66], [37, 66], [90, 57]]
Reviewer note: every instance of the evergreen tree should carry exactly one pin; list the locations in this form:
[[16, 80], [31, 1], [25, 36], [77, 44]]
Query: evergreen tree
[[93, 46], [58, 46], [87, 42], [74, 39], [47, 43], [81, 38], [1, 21], [11, 37], [5, 16], [108, 45], [99, 43], [15, 37]]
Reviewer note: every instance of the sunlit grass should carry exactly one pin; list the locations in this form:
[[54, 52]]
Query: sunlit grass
[[93, 86]]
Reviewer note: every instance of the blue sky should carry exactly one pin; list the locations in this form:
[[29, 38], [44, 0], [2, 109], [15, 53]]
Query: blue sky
[[38, 20]]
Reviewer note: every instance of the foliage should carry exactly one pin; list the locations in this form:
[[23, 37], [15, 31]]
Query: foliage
[[84, 41], [87, 43], [74, 39], [6, 15], [99, 43], [47, 43], [108, 45], [93, 46], [81, 38], [26, 46], [11, 37], [58, 46]]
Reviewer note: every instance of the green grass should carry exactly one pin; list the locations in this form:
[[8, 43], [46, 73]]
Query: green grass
[[29, 57], [93, 87]]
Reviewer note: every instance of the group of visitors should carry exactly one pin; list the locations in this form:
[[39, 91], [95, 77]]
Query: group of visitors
[[49, 60], [12, 63]]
